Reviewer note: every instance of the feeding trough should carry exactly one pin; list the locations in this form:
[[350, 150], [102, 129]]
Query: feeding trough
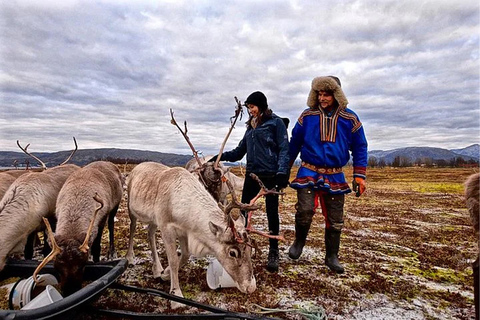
[[99, 276]]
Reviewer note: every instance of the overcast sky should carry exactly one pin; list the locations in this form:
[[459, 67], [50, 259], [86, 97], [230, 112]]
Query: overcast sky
[[107, 72]]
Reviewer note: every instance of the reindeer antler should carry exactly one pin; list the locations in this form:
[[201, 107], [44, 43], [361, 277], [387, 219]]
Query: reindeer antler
[[55, 250], [184, 134], [71, 154], [44, 167], [84, 247], [250, 208], [233, 120]]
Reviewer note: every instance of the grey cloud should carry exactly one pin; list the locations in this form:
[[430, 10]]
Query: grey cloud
[[109, 72]]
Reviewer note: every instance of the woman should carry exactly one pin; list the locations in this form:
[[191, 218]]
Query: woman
[[266, 145]]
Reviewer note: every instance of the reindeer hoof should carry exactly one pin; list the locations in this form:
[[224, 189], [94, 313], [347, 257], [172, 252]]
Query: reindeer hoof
[[165, 275], [112, 255], [175, 305]]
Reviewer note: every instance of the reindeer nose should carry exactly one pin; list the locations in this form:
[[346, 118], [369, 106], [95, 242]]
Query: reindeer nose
[[253, 285]]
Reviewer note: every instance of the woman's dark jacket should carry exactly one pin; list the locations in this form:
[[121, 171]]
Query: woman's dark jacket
[[266, 147]]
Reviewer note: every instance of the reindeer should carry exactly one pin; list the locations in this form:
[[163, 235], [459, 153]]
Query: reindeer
[[174, 201], [99, 181], [29, 198], [5, 181], [221, 190], [213, 175], [472, 199]]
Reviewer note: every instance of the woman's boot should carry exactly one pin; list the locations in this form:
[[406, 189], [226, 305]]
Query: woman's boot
[[272, 264]]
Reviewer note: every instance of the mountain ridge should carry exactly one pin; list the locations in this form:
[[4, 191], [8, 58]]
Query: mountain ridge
[[85, 156]]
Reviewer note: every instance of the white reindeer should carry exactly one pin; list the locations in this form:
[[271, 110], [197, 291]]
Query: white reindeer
[[221, 189], [213, 175], [75, 212], [174, 201]]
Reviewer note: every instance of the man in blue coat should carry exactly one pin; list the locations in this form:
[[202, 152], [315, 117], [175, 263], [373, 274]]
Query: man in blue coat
[[325, 135]]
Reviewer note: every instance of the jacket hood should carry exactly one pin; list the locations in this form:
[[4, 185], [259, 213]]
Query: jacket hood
[[328, 83]]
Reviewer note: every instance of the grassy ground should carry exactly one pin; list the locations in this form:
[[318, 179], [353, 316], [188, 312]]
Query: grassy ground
[[407, 247]]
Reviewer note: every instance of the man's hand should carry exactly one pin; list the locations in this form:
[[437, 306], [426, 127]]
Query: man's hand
[[359, 186]]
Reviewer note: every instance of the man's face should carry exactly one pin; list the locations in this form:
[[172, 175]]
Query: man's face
[[325, 99]]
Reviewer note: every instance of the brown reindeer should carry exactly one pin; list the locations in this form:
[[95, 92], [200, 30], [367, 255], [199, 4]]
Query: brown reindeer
[[80, 224], [472, 195], [28, 199]]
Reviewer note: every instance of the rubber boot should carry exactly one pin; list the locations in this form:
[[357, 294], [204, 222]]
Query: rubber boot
[[272, 264], [301, 231], [332, 246]]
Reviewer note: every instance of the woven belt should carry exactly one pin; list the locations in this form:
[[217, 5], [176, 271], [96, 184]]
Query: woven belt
[[323, 170]]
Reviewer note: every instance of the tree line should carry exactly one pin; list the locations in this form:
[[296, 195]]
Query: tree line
[[402, 161]]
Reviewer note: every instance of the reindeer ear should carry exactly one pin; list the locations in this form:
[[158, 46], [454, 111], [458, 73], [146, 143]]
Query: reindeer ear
[[216, 230], [240, 220]]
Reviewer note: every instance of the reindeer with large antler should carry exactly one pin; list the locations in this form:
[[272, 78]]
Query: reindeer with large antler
[[175, 202], [31, 197], [213, 175], [80, 224]]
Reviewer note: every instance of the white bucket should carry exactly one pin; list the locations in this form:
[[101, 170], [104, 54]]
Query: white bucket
[[23, 290], [217, 277], [49, 295]]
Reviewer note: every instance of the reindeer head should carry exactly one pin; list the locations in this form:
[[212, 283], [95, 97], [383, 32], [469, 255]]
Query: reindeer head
[[235, 256], [211, 174], [70, 256]]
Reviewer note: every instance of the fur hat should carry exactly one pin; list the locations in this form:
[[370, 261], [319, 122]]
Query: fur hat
[[329, 83], [258, 98]]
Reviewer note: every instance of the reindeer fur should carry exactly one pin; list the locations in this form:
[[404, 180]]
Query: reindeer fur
[[174, 201], [29, 198], [75, 209]]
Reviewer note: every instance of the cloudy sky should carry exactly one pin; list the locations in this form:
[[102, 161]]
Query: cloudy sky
[[107, 72]]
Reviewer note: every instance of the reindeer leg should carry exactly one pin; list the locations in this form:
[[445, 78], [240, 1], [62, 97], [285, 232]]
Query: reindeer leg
[[112, 253], [30, 246], [182, 256], [169, 240], [185, 254], [157, 268], [96, 245], [133, 225]]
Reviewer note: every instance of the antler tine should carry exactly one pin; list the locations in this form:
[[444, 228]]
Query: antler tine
[[71, 154], [184, 134], [238, 112], [263, 190], [264, 234], [44, 167], [235, 204], [55, 250], [84, 247]]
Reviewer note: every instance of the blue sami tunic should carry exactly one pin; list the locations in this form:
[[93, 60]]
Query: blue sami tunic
[[324, 141]]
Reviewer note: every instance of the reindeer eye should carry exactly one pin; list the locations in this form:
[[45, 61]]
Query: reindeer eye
[[234, 253]]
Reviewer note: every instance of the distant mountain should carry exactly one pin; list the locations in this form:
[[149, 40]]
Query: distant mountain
[[471, 151], [413, 153], [83, 157]]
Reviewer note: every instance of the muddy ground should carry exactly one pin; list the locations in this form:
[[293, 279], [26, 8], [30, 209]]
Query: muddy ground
[[407, 247]]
